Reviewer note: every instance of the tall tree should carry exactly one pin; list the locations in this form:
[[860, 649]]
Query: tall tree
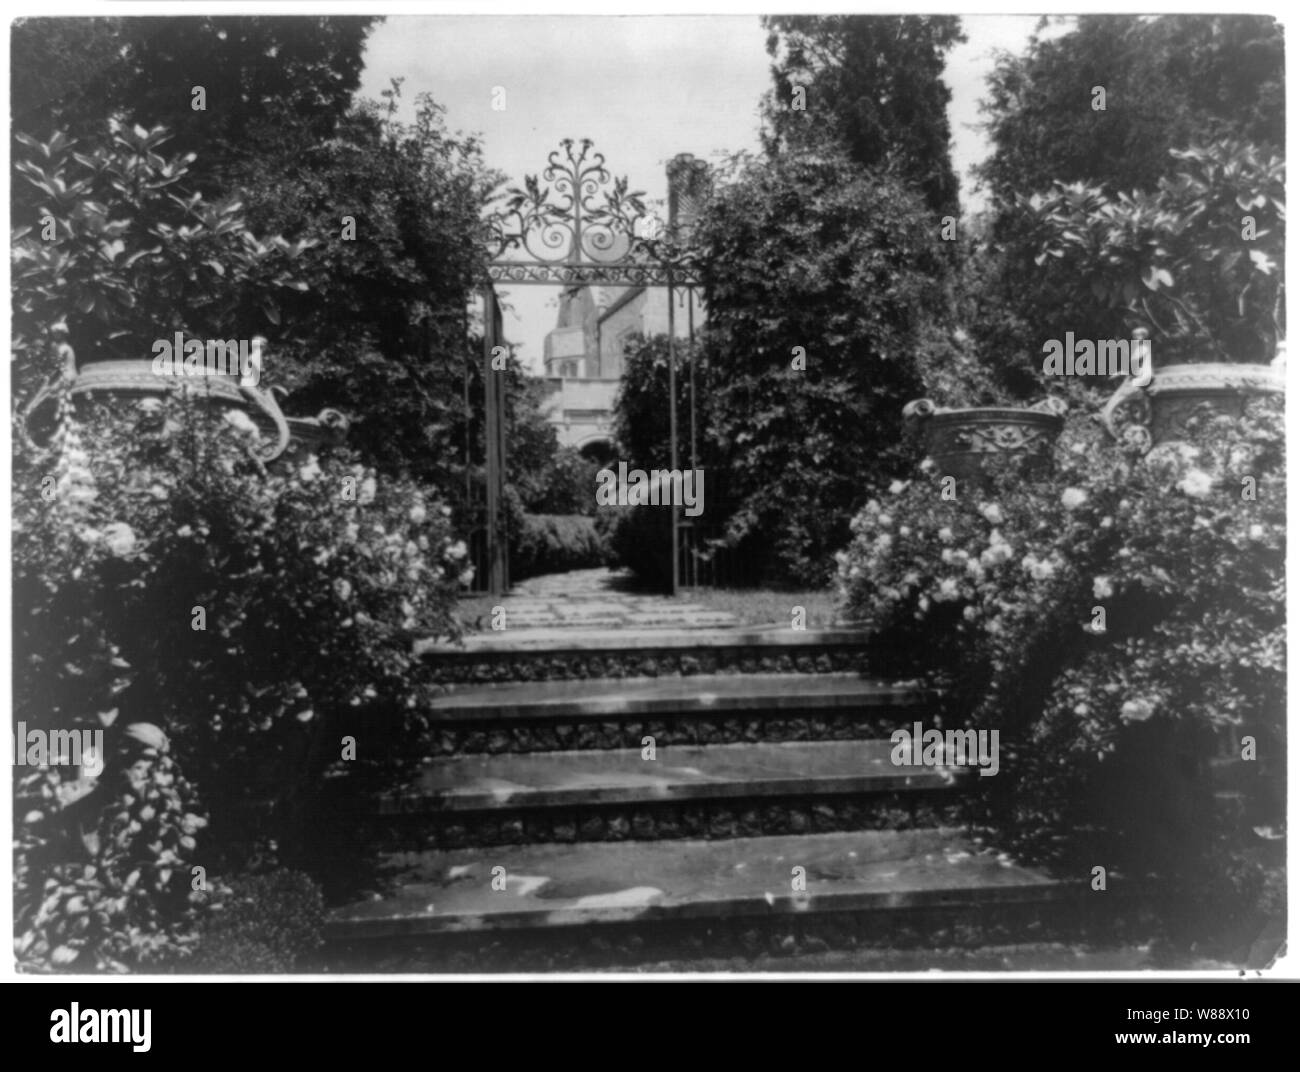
[[1168, 81], [818, 279], [382, 332], [225, 86], [873, 84]]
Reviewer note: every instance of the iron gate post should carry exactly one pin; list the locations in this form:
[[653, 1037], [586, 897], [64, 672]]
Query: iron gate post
[[672, 430], [493, 435]]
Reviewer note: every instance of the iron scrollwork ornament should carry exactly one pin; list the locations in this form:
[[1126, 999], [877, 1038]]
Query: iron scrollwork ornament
[[579, 225]]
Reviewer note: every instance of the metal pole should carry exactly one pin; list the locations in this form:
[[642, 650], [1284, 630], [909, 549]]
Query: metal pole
[[690, 337], [496, 578], [469, 412], [672, 423], [503, 428]]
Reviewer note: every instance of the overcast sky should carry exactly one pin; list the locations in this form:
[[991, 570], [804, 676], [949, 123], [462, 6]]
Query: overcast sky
[[643, 88]]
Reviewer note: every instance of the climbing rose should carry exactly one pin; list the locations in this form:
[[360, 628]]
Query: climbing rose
[[1137, 710]]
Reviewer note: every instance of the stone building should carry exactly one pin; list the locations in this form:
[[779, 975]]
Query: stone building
[[583, 356]]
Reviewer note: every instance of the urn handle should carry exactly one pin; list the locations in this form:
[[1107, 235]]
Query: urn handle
[[50, 389], [265, 400], [919, 410], [1125, 391]]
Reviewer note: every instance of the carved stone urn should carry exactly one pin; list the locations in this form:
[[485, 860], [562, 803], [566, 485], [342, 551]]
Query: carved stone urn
[[281, 440], [963, 441], [1177, 391]]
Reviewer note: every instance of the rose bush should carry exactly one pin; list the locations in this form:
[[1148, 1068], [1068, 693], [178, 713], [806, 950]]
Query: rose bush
[[1120, 621], [163, 578]]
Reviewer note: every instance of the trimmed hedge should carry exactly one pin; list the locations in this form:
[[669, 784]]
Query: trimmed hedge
[[557, 543], [640, 539]]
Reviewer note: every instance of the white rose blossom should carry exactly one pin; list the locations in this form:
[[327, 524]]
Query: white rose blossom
[[1137, 710], [1197, 484], [119, 538]]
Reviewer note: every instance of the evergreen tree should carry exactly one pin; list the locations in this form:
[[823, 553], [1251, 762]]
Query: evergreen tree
[[872, 84]]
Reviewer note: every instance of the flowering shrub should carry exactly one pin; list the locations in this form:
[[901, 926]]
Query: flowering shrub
[[102, 865], [161, 577], [1118, 621]]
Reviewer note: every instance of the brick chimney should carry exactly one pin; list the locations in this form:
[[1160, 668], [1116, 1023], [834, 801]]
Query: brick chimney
[[689, 183]]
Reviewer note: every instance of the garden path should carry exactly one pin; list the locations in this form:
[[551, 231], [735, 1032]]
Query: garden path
[[601, 598]]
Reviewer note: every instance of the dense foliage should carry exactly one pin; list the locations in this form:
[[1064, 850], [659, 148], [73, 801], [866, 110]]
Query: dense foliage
[[262, 77], [1170, 81], [382, 218], [1173, 84], [872, 85], [551, 543], [383, 329], [1198, 263], [163, 578], [819, 281], [110, 244]]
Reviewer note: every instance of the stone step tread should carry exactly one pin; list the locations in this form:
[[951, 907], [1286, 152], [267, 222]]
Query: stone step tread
[[610, 882], [1022, 957], [578, 639], [604, 606], [533, 620], [678, 772], [671, 695]]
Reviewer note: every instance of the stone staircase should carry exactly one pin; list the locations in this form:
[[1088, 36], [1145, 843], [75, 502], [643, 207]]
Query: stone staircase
[[620, 799]]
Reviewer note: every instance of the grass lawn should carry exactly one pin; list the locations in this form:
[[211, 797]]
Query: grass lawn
[[475, 611]]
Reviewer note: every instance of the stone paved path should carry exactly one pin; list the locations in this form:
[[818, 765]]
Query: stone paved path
[[601, 598]]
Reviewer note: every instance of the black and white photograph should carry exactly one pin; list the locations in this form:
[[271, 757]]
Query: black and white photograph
[[670, 495]]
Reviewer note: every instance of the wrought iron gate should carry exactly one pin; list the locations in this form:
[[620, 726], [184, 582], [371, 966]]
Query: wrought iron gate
[[580, 226]]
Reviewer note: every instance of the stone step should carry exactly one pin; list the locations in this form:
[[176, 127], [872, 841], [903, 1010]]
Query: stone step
[[553, 716], [581, 652], [516, 641], [679, 773], [641, 697], [581, 616], [551, 886]]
